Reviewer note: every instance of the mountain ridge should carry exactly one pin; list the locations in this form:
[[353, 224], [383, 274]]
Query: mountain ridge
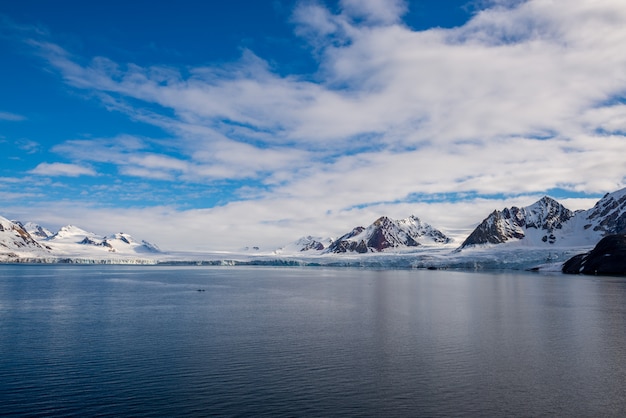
[[68, 242], [546, 229], [548, 223]]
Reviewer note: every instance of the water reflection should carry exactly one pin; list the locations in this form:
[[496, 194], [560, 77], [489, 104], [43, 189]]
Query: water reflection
[[143, 341]]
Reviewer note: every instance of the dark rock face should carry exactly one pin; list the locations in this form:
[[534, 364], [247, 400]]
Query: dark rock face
[[386, 233], [495, 229], [607, 258], [500, 226], [313, 245], [342, 245], [611, 212], [380, 239]]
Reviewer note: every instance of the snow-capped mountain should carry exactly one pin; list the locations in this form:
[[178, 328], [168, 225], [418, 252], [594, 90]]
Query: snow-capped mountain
[[35, 230], [307, 243], [31, 242], [547, 223], [122, 241], [386, 233], [542, 218], [15, 239], [608, 216], [70, 237], [70, 234]]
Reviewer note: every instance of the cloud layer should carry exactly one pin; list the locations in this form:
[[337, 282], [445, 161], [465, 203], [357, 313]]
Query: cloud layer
[[525, 98]]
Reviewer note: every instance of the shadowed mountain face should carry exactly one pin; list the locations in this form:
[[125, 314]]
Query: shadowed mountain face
[[609, 214], [512, 223], [607, 258]]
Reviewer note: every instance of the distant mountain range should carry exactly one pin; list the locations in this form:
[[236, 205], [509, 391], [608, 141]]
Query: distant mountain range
[[32, 241], [544, 224]]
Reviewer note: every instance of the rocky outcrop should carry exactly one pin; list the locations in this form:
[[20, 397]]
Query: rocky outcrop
[[13, 237], [346, 243], [607, 258], [546, 215], [609, 214]]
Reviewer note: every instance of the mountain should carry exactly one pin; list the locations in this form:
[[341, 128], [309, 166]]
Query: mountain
[[386, 233], [71, 234], [71, 238], [542, 218], [15, 239], [36, 231], [304, 244], [547, 223], [608, 216], [122, 241], [608, 257], [29, 242]]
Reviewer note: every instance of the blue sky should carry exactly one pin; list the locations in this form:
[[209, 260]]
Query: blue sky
[[219, 125]]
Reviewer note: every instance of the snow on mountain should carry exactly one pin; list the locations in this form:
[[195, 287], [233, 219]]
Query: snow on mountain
[[547, 223], [69, 244], [35, 230], [72, 239], [540, 220], [385, 234], [608, 216], [307, 243], [544, 232], [124, 242], [16, 241], [71, 234]]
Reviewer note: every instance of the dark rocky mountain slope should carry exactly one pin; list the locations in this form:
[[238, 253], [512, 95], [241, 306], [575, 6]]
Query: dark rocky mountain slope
[[607, 258]]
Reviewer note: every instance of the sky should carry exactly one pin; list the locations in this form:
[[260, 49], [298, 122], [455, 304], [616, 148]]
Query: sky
[[208, 126]]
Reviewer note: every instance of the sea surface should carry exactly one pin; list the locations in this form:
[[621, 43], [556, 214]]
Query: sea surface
[[263, 341]]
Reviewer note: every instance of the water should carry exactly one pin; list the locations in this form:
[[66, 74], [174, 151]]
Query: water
[[143, 341]]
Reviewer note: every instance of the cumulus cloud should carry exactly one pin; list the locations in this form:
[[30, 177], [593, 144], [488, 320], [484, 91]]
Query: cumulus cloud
[[62, 169]]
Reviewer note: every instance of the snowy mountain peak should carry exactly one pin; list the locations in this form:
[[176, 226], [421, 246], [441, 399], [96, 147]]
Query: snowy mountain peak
[[307, 243], [608, 216], [15, 238], [69, 232], [543, 218], [386, 233], [125, 242], [35, 230], [546, 214], [70, 242]]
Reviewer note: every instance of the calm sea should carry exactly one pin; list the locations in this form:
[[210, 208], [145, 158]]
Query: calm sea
[[199, 341]]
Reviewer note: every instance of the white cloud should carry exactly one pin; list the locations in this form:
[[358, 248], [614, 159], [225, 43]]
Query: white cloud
[[14, 117], [524, 98], [62, 169]]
